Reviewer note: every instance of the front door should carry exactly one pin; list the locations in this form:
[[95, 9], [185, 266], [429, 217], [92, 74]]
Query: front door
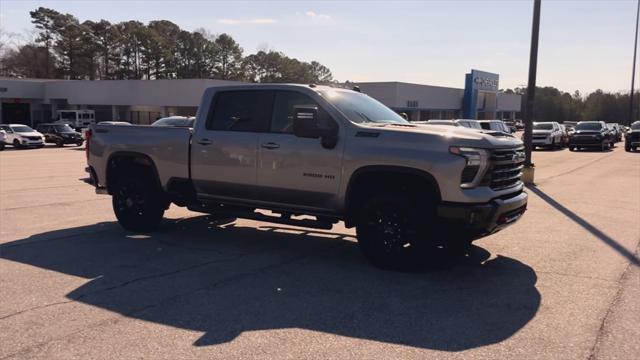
[[224, 152], [295, 171]]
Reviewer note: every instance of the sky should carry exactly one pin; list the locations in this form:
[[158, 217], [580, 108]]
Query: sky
[[584, 45]]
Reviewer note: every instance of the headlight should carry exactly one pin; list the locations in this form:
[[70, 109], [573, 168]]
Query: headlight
[[475, 167]]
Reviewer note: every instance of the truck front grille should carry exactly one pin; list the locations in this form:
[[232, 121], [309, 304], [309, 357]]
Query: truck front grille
[[505, 169]]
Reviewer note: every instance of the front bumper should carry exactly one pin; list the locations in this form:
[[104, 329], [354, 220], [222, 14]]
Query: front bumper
[[484, 219], [541, 142], [31, 142], [586, 141]]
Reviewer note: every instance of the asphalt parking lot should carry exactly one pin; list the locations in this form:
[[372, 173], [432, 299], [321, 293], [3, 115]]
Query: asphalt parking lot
[[563, 283]]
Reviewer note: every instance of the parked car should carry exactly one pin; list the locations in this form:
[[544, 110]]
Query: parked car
[[511, 125], [495, 125], [632, 137], [411, 191], [22, 136], [3, 138], [547, 134], [591, 134], [565, 135], [616, 131], [519, 124], [175, 121], [60, 134], [114, 123], [466, 123]]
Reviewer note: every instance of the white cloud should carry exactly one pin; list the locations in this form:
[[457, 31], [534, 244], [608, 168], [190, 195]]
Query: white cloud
[[315, 15], [247, 21]]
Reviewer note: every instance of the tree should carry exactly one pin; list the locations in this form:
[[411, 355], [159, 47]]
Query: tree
[[45, 20], [227, 58], [28, 61], [105, 38]]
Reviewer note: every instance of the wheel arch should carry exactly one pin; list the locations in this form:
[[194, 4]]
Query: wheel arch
[[366, 177], [122, 159]]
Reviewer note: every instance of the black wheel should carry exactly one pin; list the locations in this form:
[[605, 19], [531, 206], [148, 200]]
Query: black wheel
[[393, 230], [59, 143], [16, 144], [571, 148], [627, 148], [79, 143], [1, 146], [634, 148], [604, 146], [138, 205]]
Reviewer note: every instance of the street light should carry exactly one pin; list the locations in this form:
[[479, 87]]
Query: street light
[[531, 92], [633, 70]]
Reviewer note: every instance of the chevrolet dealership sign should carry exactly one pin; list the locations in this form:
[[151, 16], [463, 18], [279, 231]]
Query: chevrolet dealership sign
[[475, 82], [485, 81]]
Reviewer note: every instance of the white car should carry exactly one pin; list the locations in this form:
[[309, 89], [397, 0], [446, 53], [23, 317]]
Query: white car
[[3, 137], [547, 134], [21, 136], [495, 125]]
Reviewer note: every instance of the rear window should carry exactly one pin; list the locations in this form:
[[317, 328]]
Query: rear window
[[248, 111], [543, 126]]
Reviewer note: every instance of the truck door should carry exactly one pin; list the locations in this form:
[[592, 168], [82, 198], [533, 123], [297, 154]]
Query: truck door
[[297, 171], [224, 149]]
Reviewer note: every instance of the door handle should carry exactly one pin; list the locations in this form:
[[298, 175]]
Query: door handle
[[205, 142], [270, 146]]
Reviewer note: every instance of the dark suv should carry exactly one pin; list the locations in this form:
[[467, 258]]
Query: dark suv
[[632, 137], [591, 134], [60, 134]]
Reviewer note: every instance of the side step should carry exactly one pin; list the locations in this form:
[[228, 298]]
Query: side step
[[251, 214]]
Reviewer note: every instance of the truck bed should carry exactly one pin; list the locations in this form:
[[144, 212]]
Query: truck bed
[[167, 147]]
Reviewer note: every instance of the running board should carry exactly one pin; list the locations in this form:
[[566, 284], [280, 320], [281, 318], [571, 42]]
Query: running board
[[253, 215]]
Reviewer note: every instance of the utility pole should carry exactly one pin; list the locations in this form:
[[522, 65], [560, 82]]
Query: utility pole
[[531, 92], [633, 70]]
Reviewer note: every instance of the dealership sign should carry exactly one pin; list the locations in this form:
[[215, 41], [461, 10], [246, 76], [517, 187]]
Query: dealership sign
[[476, 82]]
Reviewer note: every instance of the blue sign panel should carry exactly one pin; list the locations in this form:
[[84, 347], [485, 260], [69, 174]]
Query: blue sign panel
[[474, 82]]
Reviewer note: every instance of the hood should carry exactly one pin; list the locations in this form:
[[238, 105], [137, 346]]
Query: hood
[[453, 135], [32, 133]]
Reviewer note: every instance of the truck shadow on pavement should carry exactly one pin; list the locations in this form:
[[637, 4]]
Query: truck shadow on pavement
[[225, 279], [612, 243]]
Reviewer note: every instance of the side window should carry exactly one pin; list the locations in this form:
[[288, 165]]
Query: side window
[[44, 129], [7, 129], [285, 104], [248, 111]]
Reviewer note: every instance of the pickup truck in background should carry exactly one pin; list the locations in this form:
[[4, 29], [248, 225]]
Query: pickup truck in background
[[312, 156]]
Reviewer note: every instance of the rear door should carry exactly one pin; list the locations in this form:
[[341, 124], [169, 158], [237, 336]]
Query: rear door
[[294, 171], [224, 152]]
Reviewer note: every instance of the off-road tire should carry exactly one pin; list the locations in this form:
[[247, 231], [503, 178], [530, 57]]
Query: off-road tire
[[394, 230], [137, 203]]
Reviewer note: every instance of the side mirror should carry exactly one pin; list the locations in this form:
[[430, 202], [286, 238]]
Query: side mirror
[[305, 122]]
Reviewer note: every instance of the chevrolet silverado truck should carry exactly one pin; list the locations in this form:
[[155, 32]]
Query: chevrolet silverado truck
[[312, 156]]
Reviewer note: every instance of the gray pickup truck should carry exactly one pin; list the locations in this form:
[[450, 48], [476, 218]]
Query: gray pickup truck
[[312, 156]]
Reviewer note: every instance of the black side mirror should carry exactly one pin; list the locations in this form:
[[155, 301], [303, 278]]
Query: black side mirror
[[305, 122]]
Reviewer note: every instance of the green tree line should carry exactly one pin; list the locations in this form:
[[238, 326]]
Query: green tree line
[[552, 104], [65, 48]]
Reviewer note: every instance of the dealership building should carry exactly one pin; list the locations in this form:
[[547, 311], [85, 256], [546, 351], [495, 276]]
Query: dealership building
[[32, 101]]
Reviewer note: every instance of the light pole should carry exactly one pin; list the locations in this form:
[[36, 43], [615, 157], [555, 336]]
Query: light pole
[[633, 70], [531, 92]]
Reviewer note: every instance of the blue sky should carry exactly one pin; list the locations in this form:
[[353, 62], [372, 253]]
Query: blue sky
[[584, 45]]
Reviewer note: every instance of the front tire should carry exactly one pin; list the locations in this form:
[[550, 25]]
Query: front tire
[[392, 230], [59, 143], [137, 205], [16, 144]]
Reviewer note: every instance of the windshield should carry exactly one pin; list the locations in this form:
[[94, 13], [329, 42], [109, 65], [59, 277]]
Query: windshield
[[63, 128], [360, 108], [635, 126], [441, 122], [542, 126], [179, 122], [596, 126], [22, 129]]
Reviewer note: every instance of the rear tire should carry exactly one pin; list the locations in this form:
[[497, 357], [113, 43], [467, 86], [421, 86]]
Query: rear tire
[[59, 143], [392, 230], [138, 206]]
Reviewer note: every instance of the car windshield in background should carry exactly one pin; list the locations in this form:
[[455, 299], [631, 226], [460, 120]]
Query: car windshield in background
[[22, 129], [450, 123], [542, 126], [63, 128], [635, 126], [589, 126], [177, 122], [360, 108]]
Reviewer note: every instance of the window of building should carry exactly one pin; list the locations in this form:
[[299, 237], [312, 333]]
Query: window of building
[[241, 111]]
